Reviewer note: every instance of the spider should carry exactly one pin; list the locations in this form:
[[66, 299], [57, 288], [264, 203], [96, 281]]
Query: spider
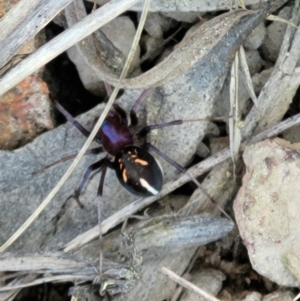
[[136, 169]]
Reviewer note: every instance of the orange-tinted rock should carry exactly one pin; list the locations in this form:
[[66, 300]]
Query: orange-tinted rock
[[24, 112], [25, 109]]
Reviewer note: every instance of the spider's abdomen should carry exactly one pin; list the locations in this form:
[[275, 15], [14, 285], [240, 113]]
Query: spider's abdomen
[[138, 171]]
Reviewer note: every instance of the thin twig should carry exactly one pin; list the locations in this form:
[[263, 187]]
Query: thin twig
[[196, 171], [186, 275], [188, 284], [234, 131], [247, 76], [180, 288]]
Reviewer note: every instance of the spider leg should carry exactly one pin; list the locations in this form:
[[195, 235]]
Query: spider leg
[[180, 168], [133, 117], [108, 88], [70, 118], [105, 164], [121, 112], [143, 133], [91, 168], [93, 151]]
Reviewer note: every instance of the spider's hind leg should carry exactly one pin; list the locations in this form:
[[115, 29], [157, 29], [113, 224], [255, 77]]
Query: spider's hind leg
[[90, 169]]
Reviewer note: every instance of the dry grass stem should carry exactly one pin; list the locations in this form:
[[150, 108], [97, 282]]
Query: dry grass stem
[[234, 130], [247, 75], [278, 19]]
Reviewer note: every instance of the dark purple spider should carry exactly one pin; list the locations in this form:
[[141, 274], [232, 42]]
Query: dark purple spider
[[137, 170]]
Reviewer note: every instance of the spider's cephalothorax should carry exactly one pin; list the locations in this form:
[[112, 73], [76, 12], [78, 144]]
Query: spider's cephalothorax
[[137, 170]]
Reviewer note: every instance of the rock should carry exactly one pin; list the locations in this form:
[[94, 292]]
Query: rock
[[120, 32], [185, 6], [157, 24], [151, 46], [24, 112], [279, 296], [254, 61], [253, 296], [267, 208], [188, 17], [255, 39], [275, 34]]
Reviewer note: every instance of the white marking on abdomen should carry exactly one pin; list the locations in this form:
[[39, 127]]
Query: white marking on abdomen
[[145, 184]]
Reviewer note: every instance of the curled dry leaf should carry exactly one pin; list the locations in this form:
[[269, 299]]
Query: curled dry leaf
[[267, 208], [229, 28]]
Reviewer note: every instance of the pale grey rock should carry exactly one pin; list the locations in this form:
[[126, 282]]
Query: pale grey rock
[[157, 24], [266, 208], [253, 296], [151, 45], [275, 34], [279, 296], [254, 61], [255, 39], [120, 32], [208, 280], [188, 17]]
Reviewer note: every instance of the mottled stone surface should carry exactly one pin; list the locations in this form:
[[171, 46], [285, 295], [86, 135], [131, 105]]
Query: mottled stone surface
[[267, 208]]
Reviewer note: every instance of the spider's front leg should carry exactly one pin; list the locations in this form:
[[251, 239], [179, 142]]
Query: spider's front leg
[[71, 119], [133, 116]]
